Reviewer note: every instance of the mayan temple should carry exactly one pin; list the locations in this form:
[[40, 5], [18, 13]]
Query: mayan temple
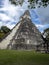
[[24, 36]]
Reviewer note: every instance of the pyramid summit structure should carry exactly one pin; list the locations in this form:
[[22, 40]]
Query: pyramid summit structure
[[24, 36]]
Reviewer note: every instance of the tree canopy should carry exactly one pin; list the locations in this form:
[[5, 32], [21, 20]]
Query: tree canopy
[[3, 31], [32, 3], [46, 34]]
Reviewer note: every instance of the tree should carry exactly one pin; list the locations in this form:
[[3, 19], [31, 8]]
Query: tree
[[46, 36], [5, 29], [32, 3], [17, 2]]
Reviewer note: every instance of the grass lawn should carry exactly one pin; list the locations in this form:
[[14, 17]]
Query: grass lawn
[[14, 57]]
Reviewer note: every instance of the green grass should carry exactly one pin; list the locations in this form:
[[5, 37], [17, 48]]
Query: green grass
[[14, 57]]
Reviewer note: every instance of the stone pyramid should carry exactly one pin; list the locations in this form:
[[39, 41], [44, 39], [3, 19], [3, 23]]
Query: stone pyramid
[[24, 36]]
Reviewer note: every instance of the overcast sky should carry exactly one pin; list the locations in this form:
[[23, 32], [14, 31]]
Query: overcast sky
[[9, 15]]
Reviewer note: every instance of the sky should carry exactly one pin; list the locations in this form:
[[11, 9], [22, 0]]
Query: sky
[[10, 15]]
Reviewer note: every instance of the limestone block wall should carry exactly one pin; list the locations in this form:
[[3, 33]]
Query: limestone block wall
[[4, 43]]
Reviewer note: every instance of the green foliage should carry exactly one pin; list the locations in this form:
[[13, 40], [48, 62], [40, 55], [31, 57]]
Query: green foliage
[[32, 4], [3, 31], [43, 3], [46, 30], [46, 34], [14, 57], [1, 35], [17, 2]]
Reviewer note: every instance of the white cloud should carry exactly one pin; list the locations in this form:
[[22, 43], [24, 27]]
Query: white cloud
[[41, 27], [43, 14], [10, 26], [11, 13], [4, 17]]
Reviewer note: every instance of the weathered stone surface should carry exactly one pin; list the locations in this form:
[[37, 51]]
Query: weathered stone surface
[[25, 37]]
